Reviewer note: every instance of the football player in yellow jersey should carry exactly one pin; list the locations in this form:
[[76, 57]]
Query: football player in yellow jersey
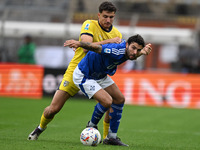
[[99, 31]]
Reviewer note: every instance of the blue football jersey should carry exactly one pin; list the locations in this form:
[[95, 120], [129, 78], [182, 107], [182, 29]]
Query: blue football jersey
[[97, 66]]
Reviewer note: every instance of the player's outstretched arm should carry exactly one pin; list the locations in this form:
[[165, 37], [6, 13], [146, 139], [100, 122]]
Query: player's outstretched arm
[[91, 47], [113, 40], [146, 50], [72, 44], [86, 45]]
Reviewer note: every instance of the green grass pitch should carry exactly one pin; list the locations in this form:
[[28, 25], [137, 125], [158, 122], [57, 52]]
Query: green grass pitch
[[143, 128]]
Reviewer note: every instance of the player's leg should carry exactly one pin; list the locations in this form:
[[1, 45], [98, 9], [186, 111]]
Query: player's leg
[[116, 109], [50, 111], [56, 105], [66, 89], [118, 98], [104, 104], [106, 124], [91, 89], [115, 115]]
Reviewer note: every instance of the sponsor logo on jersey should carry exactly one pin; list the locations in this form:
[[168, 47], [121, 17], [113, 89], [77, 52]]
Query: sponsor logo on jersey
[[87, 26], [118, 51], [107, 50]]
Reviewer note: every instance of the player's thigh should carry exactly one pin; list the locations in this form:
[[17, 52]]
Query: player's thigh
[[68, 85], [109, 85], [91, 88], [103, 98], [114, 91]]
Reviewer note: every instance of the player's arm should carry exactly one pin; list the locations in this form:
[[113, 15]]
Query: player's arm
[[86, 45], [145, 51], [113, 40], [87, 38]]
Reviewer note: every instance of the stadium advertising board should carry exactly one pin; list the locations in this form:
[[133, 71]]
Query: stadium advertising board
[[20, 80], [51, 81], [160, 89]]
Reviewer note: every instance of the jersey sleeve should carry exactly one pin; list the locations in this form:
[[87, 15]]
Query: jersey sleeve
[[109, 49], [114, 49], [87, 28]]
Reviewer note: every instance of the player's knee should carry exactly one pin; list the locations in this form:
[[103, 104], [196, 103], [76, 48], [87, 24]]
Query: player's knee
[[55, 110], [122, 100], [50, 111], [119, 100], [107, 103]]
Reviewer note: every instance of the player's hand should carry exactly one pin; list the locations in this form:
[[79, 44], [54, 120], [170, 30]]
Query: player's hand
[[146, 50], [72, 43]]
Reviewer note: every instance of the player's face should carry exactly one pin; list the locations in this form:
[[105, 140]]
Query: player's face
[[106, 19], [133, 50]]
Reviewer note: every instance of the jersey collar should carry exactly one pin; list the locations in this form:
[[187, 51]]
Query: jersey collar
[[104, 29]]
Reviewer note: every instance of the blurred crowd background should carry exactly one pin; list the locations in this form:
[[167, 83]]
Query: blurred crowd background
[[147, 15]]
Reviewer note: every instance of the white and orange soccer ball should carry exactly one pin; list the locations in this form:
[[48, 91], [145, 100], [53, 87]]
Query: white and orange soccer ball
[[90, 136]]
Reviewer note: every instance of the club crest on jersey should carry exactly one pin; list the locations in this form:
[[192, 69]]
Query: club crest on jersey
[[92, 88], [107, 50], [87, 26], [66, 83]]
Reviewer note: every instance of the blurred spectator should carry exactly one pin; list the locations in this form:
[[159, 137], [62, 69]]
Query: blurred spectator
[[182, 9], [80, 6], [189, 59], [140, 8], [26, 51]]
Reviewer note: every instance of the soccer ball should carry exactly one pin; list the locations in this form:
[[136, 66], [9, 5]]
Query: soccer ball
[[90, 136]]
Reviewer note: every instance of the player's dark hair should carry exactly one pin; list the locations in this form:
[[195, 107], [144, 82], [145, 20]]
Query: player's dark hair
[[107, 6], [136, 38]]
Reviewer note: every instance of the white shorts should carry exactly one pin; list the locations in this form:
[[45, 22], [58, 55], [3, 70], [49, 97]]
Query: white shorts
[[90, 86]]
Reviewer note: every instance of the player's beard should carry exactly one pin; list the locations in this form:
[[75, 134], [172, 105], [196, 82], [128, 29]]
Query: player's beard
[[130, 56]]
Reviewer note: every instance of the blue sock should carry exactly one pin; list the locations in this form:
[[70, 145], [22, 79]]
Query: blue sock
[[99, 111], [115, 117]]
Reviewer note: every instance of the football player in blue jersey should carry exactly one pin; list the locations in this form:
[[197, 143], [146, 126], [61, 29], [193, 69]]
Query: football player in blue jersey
[[91, 76]]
